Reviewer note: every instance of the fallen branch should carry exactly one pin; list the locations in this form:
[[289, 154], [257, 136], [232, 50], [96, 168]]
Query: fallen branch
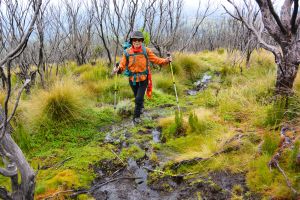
[[118, 157], [286, 142], [288, 182], [113, 174]]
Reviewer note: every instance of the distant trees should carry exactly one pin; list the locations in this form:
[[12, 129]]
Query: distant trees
[[15, 29], [284, 29]]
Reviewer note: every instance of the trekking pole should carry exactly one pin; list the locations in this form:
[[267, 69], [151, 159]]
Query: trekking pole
[[170, 64], [115, 89]]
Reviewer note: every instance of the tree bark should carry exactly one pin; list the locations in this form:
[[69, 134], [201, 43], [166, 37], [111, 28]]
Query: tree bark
[[24, 190], [286, 74]]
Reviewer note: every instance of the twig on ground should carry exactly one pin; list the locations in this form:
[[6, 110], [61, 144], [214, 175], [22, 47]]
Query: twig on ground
[[112, 175], [288, 182], [58, 165], [118, 157]]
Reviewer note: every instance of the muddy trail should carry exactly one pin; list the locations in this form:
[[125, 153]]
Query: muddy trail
[[144, 179], [140, 179]]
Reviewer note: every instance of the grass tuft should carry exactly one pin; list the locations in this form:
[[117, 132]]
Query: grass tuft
[[62, 103]]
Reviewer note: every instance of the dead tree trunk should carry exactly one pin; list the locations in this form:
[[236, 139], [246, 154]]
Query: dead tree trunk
[[14, 162], [287, 69], [283, 29], [12, 154]]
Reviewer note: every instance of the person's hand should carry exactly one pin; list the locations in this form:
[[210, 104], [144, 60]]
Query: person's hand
[[169, 59], [116, 69]]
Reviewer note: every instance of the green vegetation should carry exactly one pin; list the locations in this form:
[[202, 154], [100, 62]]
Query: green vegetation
[[234, 124]]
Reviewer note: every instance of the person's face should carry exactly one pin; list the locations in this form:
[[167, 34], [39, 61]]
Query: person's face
[[137, 42]]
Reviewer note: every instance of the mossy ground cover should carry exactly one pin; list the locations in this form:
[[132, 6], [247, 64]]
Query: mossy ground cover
[[241, 103], [59, 128]]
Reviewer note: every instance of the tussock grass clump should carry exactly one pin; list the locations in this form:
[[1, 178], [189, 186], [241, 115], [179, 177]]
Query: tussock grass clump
[[276, 112], [200, 121], [269, 182], [233, 106], [165, 84], [62, 103], [96, 88], [262, 59], [270, 143], [188, 66], [94, 74], [221, 51], [123, 90], [173, 128], [207, 98], [293, 157], [125, 108]]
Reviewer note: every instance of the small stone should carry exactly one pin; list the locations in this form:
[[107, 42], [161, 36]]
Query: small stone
[[192, 92]]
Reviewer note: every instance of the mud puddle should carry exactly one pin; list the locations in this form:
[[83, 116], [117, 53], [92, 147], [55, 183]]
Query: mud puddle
[[130, 179]]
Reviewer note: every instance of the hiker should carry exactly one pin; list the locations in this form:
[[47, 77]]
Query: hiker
[[135, 63]]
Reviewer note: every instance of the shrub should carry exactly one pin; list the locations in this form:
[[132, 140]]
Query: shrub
[[173, 129], [94, 74], [270, 143], [125, 108], [293, 157], [62, 103], [188, 67], [221, 50], [276, 112], [166, 84], [198, 125]]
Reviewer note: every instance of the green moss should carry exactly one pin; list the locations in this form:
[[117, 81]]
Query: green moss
[[132, 152], [160, 98]]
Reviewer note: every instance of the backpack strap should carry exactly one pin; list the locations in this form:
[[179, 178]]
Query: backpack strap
[[130, 73]]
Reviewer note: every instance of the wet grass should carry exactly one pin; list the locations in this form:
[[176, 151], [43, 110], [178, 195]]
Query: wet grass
[[60, 129]]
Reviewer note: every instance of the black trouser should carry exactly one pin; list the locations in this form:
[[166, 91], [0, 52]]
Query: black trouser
[[139, 92]]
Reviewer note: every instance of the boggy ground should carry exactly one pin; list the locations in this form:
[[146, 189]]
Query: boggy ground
[[138, 177]]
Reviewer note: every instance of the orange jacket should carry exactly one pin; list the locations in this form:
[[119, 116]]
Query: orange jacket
[[138, 63]]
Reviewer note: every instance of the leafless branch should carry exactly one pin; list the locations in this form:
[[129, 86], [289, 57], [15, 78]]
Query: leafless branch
[[24, 40]]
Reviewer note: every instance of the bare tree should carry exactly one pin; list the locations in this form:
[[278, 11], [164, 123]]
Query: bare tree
[[13, 158], [40, 26], [116, 21], [199, 18], [284, 30], [80, 28], [101, 9], [58, 44], [163, 23]]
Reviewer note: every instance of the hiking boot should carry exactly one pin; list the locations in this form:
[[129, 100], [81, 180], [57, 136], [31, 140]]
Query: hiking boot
[[137, 120]]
